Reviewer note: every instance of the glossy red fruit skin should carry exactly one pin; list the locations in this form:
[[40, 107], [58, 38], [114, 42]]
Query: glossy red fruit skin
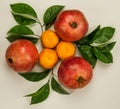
[[21, 55], [63, 26], [73, 69]]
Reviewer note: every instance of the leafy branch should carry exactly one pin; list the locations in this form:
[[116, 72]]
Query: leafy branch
[[43, 93], [95, 46], [25, 16]]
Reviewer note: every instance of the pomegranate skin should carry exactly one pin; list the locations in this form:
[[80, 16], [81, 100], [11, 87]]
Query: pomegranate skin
[[21, 55], [75, 72], [71, 25]]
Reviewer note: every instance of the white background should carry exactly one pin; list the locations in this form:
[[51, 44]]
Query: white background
[[104, 90]]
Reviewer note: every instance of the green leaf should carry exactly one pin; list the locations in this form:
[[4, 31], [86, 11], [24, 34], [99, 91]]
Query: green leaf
[[103, 35], [105, 57], [16, 37], [102, 52], [23, 20], [49, 25], [56, 87], [40, 95], [23, 8], [87, 52], [51, 14], [88, 39], [35, 76], [21, 32], [106, 47]]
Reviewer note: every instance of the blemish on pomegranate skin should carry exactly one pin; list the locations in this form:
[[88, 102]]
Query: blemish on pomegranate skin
[[10, 60]]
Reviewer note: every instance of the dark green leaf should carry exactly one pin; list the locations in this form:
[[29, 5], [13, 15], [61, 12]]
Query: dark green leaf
[[23, 8], [106, 47], [35, 76], [16, 37], [103, 35], [83, 41], [40, 95], [102, 51], [51, 14], [23, 20], [87, 52], [105, 57], [49, 25], [20, 30], [88, 39], [56, 87]]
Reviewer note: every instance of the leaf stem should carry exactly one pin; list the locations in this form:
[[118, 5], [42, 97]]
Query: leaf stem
[[41, 26], [51, 74], [36, 35]]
